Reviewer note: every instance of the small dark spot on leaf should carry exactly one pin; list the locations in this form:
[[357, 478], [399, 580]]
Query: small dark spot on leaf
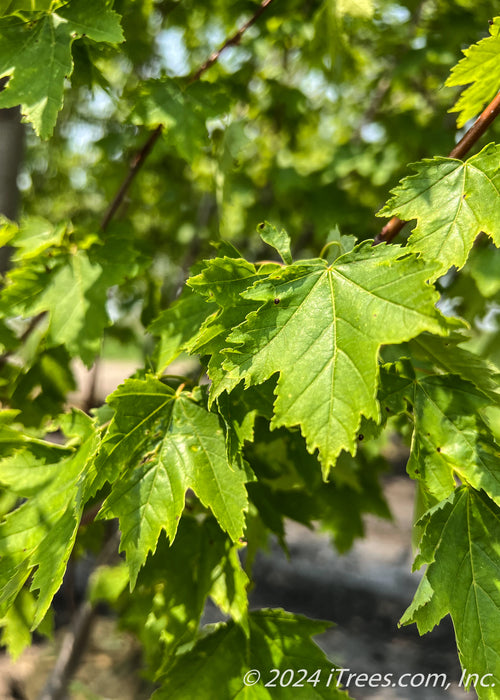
[[361, 437], [387, 409], [417, 471], [438, 449], [276, 301]]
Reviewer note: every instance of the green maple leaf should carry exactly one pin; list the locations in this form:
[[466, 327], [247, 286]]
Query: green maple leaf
[[451, 439], [445, 355], [453, 201], [239, 410], [8, 229], [481, 67], [24, 284], [159, 444], [226, 653], [10, 7], [461, 545], [46, 41], [484, 264], [223, 280], [279, 240], [74, 292], [74, 296], [34, 236], [11, 438], [178, 325], [321, 326], [39, 535], [15, 625], [41, 390], [396, 381], [173, 603]]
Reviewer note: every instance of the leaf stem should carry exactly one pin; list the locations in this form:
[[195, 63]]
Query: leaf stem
[[328, 245], [269, 262], [141, 156], [394, 226]]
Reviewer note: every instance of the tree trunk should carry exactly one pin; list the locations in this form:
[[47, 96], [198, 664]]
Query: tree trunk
[[11, 153]]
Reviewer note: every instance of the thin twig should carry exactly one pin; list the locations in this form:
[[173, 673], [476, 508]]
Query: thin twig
[[232, 41], [135, 166], [394, 226], [141, 156]]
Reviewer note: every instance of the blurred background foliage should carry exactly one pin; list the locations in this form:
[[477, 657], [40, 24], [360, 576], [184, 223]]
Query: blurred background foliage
[[308, 123]]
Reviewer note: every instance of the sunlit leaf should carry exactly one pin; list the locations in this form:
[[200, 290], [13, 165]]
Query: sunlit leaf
[[320, 326], [461, 546], [453, 201], [159, 444], [479, 67], [46, 41]]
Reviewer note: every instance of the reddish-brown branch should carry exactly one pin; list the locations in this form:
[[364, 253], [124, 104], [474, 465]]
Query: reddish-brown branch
[[477, 129], [155, 135], [135, 166], [394, 226], [232, 41]]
